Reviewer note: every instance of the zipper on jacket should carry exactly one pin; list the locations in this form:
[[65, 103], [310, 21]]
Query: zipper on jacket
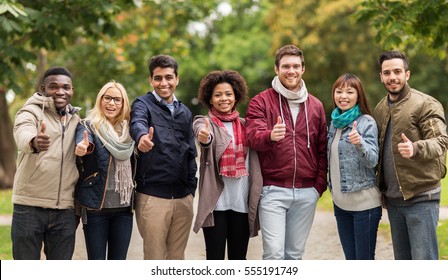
[[293, 127], [392, 151], [62, 159], [295, 157], [396, 176], [90, 176]]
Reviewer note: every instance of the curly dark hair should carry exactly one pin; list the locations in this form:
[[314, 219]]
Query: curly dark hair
[[212, 79]]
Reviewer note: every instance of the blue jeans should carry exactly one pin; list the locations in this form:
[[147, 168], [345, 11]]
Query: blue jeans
[[357, 232], [286, 217], [33, 226], [414, 230], [108, 229]]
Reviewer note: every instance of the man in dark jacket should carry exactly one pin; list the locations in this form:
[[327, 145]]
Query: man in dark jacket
[[287, 127], [166, 164]]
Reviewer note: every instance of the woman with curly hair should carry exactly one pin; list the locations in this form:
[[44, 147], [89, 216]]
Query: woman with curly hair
[[230, 180]]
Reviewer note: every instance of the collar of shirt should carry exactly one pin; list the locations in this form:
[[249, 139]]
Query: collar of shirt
[[175, 101], [170, 106]]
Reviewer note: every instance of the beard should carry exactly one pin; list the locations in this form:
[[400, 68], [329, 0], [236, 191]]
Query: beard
[[396, 91]]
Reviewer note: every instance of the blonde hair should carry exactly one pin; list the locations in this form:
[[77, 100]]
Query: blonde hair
[[96, 115]]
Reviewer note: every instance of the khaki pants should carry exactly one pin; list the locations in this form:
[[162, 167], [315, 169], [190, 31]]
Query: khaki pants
[[164, 225]]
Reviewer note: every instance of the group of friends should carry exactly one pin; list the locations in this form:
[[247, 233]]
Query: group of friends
[[264, 172]]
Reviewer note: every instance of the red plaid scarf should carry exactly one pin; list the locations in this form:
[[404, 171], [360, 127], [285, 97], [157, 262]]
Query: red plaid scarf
[[233, 160]]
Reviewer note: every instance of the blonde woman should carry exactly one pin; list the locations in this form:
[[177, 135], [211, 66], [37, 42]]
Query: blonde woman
[[105, 187]]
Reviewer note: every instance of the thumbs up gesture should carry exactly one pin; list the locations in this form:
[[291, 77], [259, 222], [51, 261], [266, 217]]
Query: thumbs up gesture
[[279, 130], [354, 136], [42, 140], [81, 147], [145, 143], [406, 148], [204, 133]]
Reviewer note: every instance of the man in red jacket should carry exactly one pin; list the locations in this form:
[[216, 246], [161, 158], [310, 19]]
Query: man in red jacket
[[286, 125]]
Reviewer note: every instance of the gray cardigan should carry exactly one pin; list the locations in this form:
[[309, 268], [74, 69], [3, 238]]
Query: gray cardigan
[[211, 184]]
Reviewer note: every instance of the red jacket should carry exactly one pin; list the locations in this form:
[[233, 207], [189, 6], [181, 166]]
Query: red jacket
[[289, 162]]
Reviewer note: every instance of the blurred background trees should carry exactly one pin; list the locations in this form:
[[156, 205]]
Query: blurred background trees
[[113, 40]]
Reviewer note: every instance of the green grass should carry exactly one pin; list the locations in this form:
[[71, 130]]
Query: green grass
[[325, 203], [444, 195], [5, 201], [5, 231], [442, 234], [5, 243]]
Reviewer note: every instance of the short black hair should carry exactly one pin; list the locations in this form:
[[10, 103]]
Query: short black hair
[[57, 70], [163, 61]]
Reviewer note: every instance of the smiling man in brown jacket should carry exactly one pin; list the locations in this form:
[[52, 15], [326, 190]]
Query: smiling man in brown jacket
[[413, 142]]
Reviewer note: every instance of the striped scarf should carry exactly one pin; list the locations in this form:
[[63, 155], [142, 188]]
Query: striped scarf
[[233, 160]]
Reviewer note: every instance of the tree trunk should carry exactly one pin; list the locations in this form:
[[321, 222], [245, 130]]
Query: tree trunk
[[7, 145]]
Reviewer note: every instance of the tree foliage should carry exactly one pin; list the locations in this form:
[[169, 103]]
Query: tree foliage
[[332, 43], [411, 25], [238, 41], [27, 30], [105, 39], [49, 25]]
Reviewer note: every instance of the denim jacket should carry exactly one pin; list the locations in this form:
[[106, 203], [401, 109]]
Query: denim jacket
[[357, 164]]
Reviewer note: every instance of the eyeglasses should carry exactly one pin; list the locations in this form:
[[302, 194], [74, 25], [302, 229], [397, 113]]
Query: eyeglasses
[[108, 99]]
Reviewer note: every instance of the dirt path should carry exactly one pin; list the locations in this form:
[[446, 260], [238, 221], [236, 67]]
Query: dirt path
[[323, 243]]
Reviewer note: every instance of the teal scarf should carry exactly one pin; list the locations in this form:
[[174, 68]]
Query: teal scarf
[[341, 120]]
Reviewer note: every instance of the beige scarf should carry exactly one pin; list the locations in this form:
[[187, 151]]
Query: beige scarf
[[121, 148], [295, 97]]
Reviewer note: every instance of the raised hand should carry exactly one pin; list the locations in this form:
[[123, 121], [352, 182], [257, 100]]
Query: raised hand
[[81, 147], [279, 130], [406, 148], [204, 132], [354, 136], [42, 140], [145, 143]]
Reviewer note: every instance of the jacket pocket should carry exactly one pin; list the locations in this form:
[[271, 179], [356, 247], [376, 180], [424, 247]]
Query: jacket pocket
[[90, 180]]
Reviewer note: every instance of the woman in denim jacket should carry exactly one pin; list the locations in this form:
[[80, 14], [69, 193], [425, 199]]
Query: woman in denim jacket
[[352, 157]]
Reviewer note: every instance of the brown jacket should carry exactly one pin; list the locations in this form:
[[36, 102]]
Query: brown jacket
[[211, 184], [421, 118]]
